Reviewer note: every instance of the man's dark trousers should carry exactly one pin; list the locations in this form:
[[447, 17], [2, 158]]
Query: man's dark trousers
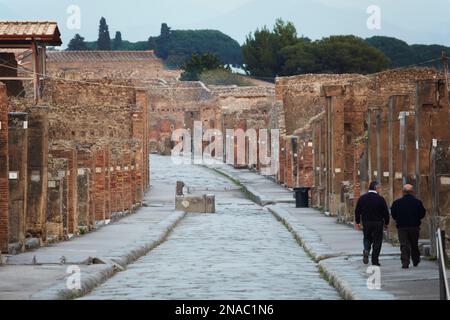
[[373, 238], [409, 245]]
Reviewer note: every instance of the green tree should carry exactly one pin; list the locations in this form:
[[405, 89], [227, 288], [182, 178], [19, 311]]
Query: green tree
[[162, 42], [77, 44], [403, 55], [349, 54], [104, 39], [194, 67], [118, 42], [300, 58], [262, 49]]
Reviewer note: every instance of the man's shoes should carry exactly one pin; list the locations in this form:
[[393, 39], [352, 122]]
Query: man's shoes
[[377, 264], [416, 264], [405, 267], [366, 257]]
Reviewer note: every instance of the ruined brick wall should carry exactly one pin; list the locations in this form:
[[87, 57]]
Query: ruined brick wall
[[301, 96], [178, 106], [4, 170], [442, 172], [112, 67], [358, 138]]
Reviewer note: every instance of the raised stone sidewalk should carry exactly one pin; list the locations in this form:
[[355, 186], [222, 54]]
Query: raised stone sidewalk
[[337, 248], [42, 274]]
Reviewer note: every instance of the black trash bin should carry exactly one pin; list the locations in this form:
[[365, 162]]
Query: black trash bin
[[301, 196]]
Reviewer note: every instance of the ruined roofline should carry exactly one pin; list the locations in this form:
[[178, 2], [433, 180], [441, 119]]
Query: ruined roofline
[[243, 92], [303, 78], [318, 76], [99, 56]]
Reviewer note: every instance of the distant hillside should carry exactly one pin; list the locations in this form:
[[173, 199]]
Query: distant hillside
[[403, 54], [181, 44]]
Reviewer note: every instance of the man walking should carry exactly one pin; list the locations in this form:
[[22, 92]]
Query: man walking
[[373, 212], [408, 212]]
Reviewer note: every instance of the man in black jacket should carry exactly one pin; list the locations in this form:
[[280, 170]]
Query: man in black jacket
[[373, 212], [408, 212]]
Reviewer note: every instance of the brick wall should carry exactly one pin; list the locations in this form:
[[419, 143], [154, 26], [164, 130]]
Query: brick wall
[[356, 137], [4, 169]]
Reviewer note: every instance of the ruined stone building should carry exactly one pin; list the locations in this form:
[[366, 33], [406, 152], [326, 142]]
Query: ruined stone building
[[344, 131], [77, 128], [131, 65], [74, 150]]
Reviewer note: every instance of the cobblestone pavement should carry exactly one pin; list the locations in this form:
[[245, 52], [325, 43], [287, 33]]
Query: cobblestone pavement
[[242, 252]]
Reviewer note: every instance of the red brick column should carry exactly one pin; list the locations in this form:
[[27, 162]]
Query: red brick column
[[126, 178], [99, 185], [281, 175], [113, 189], [107, 182], [4, 168], [37, 172]]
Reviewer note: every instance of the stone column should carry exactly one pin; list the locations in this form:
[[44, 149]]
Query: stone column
[[4, 170], [18, 174], [37, 171]]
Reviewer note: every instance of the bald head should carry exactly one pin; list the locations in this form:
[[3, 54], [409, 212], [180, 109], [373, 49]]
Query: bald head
[[408, 189]]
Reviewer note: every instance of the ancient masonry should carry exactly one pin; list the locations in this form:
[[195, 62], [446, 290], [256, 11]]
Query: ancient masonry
[[392, 127], [74, 155], [75, 143]]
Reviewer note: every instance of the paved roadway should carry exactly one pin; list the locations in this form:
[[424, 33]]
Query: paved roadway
[[241, 252]]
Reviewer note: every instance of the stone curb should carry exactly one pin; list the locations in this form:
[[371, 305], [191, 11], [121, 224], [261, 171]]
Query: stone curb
[[254, 195], [348, 283], [99, 273], [319, 252]]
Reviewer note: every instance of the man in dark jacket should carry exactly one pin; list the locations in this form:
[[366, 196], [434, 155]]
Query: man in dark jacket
[[408, 212], [373, 212]]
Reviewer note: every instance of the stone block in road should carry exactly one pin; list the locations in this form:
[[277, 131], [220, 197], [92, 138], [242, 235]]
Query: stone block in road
[[195, 203]]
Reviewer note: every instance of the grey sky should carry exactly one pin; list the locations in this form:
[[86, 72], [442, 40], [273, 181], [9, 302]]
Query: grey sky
[[414, 21]]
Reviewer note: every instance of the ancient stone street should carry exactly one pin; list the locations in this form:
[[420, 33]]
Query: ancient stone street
[[241, 252]]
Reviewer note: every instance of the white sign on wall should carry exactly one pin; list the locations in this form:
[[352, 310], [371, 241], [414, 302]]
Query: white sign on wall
[[13, 175]]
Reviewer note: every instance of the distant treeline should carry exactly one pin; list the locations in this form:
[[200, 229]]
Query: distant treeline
[[273, 52], [173, 46]]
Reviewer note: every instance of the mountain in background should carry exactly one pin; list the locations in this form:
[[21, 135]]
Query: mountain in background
[[183, 43]]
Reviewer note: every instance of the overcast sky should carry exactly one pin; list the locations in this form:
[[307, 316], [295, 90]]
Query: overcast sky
[[415, 21]]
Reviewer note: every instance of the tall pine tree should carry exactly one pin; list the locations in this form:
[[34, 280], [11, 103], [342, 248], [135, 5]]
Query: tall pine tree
[[117, 44], [104, 40], [162, 48]]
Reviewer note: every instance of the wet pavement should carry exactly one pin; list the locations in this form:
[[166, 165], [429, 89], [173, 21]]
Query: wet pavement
[[241, 252]]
